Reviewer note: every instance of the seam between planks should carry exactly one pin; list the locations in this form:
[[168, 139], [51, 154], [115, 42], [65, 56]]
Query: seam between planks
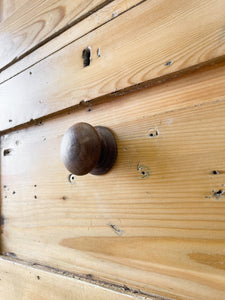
[[151, 83], [88, 278], [62, 30]]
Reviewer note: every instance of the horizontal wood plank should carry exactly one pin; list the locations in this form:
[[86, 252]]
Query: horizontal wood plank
[[24, 282], [36, 21], [167, 37], [156, 221], [101, 16]]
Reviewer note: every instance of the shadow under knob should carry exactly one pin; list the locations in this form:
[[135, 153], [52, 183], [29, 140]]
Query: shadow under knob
[[86, 149]]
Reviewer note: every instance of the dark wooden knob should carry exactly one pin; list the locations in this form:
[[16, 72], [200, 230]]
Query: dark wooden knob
[[86, 149]]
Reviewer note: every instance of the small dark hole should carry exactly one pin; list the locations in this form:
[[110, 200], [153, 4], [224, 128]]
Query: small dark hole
[[6, 152], [71, 178], [30, 73], [86, 55], [35, 185], [14, 192], [216, 172], [219, 192], [151, 134], [168, 63], [10, 120], [38, 277], [143, 173], [35, 197], [89, 109]]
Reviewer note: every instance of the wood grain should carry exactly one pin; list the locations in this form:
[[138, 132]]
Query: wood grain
[[167, 37], [155, 222], [101, 16], [36, 21], [8, 7], [23, 282]]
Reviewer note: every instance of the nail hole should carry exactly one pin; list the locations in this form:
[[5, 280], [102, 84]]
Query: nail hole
[[218, 194], [86, 55], [10, 120], [30, 73], [14, 192], [35, 197], [153, 133], [98, 52], [215, 172], [168, 63], [7, 152]]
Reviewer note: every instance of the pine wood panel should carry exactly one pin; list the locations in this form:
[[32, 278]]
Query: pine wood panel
[[36, 21], [8, 7], [23, 282], [101, 16], [156, 221], [167, 37]]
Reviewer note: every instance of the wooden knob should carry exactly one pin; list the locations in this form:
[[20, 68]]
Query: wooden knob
[[86, 149]]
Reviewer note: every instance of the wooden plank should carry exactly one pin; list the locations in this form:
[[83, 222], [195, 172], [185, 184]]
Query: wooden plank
[[112, 10], [168, 37], [24, 282], [36, 21], [161, 231], [8, 7]]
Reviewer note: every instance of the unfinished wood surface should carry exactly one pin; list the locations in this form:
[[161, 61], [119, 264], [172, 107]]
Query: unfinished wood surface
[[101, 16], [24, 282], [156, 221], [36, 21], [167, 37], [8, 7]]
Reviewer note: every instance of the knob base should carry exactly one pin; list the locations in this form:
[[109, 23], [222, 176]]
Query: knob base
[[108, 151]]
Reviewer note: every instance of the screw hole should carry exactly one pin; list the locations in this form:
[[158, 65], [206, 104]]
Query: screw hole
[[71, 178]]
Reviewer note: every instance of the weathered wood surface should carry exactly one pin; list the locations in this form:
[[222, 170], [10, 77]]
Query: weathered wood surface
[[36, 21], [101, 16], [167, 37], [156, 222], [23, 282]]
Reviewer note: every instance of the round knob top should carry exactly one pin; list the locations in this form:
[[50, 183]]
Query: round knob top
[[80, 148]]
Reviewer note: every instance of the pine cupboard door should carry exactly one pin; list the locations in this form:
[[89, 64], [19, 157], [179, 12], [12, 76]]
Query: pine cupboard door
[[153, 227]]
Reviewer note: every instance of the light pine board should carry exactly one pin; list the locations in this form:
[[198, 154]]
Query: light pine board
[[101, 16], [161, 231], [8, 7], [154, 39], [36, 21], [23, 282]]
